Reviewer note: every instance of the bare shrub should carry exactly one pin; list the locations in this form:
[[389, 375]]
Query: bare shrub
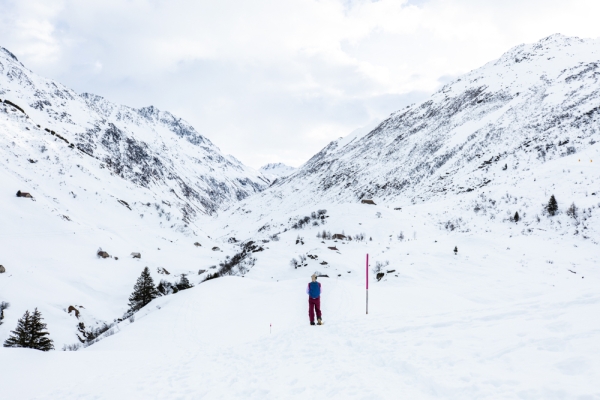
[[379, 265], [3, 306], [71, 347], [572, 211], [294, 263]]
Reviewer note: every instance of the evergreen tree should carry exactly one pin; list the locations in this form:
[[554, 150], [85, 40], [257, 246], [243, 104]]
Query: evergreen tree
[[143, 291], [184, 283], [20, 336], [552, 206], [516, 217], [30, 333]]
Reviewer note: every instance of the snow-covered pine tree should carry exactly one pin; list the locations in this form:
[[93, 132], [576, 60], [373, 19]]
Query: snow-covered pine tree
[[143, 291], [184, 283], [552, 206], [20, 336], [30, 333], [516, 218]]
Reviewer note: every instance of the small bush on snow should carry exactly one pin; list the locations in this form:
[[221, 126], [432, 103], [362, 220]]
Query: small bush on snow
[[572, 211], [379, 265], [3, 306], [71, 347]]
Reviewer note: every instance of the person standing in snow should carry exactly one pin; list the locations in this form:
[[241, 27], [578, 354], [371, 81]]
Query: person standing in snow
[[314, 300]]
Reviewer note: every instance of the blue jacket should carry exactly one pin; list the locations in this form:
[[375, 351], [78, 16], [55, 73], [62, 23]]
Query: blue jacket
[[315, 293]]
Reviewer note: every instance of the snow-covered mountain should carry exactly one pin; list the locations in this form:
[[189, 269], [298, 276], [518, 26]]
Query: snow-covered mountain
[[536, 103], [475, 290], [101, 176], [276, 170], [497, 141], [147, 147]]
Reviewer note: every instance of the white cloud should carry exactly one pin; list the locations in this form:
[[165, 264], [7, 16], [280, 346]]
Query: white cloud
[[271, 80]]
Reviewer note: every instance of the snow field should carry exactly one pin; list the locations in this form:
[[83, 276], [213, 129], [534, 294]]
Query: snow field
[[499, 333], [497, 320]]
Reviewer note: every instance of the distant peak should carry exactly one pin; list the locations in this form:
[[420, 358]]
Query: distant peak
[[271, 166], [91, 96], [541, 48], [276, 170], [149, 111], [559, 37], [8, 53]]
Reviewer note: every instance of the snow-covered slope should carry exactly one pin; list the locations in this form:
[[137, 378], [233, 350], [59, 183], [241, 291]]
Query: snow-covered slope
[[503, 318], [465, 301], [276, 170], [149, 148], [101, 175], [536, 103]]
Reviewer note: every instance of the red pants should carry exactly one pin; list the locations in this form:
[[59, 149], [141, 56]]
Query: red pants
[[314, 304]]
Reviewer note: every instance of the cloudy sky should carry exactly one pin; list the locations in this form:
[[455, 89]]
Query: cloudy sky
[[275, 80]]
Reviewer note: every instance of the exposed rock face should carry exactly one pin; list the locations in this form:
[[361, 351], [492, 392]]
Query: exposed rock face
[[150, 148]]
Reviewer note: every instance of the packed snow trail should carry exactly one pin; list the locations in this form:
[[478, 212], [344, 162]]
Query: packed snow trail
[[213, 342]]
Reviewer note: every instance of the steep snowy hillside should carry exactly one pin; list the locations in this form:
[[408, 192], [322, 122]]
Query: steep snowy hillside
[[536, 103], [100, 176], [276, 170], [150, 148]]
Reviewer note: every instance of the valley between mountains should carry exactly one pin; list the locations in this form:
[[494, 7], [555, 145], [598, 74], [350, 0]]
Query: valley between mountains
[[477, 288]]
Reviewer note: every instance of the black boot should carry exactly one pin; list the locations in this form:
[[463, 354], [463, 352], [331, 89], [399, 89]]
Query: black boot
[[312, 323]]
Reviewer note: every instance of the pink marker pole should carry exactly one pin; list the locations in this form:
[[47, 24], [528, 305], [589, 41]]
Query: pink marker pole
[[367, 272]]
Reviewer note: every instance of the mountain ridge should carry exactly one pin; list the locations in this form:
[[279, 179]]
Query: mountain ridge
[[135, 144], [522, 109]]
